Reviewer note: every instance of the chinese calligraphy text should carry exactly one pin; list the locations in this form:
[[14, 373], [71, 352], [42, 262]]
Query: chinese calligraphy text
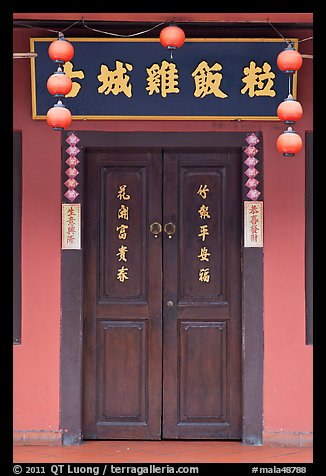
[[70, 226], [210, 79], [203, 211], [122, 231]]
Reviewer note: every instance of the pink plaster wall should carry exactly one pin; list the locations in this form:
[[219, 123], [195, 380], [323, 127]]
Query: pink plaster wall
[[288, 361], [36, 361]]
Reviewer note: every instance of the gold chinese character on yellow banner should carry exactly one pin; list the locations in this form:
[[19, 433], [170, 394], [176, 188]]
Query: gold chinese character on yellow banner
[[204, 276], [116, 81], [203, 232], [122, 274], [202, 191], [208, 80], [122, 193], [203, 212], [122, 232], [204, 254], [122, 253], [123, 212], [162, 80], [258, 81]]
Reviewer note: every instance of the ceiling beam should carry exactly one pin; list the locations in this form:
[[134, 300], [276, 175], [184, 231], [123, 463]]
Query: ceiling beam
[[178, 17]]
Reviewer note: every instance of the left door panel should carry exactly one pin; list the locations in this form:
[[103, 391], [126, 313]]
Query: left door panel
[[122, 370]]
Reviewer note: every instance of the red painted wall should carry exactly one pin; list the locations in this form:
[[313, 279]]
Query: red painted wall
[[287, 360]]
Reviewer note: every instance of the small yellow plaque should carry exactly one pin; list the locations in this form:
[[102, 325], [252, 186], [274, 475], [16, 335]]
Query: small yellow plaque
[[70, 239], [253, 224]]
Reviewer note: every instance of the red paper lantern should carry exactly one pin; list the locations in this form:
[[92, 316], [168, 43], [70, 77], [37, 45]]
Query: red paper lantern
[[172, 37], [61, 50], [58, 117], [289, 143], [289, 110], [289, 60], [59, 84]]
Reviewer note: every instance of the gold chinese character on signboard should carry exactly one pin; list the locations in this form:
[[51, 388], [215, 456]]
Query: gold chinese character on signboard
[[204, 275], [122, 253], [203, 212], [208, 80], [258, 81], [204, 254], [116, 81], [122, 274], [123, 212], [122, 232], [202, 191], [162, 80], [122, 193], [68, 70], [203, 232]]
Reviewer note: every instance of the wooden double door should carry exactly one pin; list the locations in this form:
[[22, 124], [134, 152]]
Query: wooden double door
[[162, 294]]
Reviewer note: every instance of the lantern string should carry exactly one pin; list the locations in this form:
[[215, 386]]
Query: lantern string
[[70, 26], [119, 35], [18, 23], [279, 33], [289, 41], [37, 27], [60, 33], [305, 39]]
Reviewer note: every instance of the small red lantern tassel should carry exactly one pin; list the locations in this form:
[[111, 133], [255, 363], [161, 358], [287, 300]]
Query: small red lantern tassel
[[290, 110], [289, 143], [289, 60], [172, 37], [58, 117]]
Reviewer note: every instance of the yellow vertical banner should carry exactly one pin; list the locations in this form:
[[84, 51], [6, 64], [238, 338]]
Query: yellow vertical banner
[[70, 214], [253, 224]]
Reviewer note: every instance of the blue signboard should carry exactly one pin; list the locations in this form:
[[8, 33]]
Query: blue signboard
[[137, 79]]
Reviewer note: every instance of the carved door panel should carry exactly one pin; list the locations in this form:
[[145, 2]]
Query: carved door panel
[[202, 326], [162, 294], [122, 296]]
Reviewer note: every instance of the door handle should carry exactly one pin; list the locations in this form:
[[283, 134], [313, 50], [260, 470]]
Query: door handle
[[155, 228], [169, 229]]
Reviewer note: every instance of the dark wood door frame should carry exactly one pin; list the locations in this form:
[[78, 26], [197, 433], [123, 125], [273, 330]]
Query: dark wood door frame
[[71, 355]]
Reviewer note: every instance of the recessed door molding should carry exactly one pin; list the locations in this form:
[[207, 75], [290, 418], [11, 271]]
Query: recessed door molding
[[71, 355]]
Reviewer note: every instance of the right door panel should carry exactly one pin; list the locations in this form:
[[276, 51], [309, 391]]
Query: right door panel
[[202, 295]]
